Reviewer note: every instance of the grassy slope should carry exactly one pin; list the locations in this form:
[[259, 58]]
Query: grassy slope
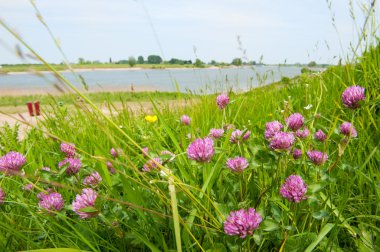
[[97, 97], [341, 202]]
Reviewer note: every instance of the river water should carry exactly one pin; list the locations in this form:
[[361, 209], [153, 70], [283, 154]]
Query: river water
[[204, 80]]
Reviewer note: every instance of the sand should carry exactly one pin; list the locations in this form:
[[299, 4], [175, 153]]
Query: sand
[[9, 91], [27, 122]]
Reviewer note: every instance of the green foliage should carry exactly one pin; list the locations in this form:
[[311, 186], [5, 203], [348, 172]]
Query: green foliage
[[182, 203], [132, 61], [312, 64], [138, 209], [140, 60], [179, 61], [198, 63], [285, 80], [154, 59], [236, 62]]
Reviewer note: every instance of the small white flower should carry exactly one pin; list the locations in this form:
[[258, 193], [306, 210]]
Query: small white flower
[[163, 174], [307, 85], [308, 107], [282, 111]]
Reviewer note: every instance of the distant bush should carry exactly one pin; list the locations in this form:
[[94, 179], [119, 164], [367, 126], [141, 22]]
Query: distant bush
[[305, 70], [285, 80]]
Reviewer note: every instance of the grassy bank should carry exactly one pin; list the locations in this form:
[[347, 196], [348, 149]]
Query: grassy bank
[[97, 97], [184, 204]]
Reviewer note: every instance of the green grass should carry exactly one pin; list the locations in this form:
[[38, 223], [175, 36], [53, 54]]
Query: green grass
[[138, 212], [182, 204], [97, 97]]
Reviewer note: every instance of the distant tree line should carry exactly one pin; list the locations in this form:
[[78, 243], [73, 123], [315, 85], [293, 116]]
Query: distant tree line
[[156, 59]]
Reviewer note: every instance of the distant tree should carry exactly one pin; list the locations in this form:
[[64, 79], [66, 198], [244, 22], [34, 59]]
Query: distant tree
[[81, 61], [198, 63], [122, 61], [140, 60], [179, 61], [110, 60], [154, 59], [312, 64], [213, 62], [252, 63], [237, 62], [132, 61]]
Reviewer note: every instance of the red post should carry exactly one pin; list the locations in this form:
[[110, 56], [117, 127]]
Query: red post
[[37, 107], [30, 108]]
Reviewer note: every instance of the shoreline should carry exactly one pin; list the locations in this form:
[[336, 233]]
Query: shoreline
[[13, 92], [100, 69]]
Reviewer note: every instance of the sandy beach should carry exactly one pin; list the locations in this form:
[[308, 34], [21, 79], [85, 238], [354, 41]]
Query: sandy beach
[[9, 91], [28, 122]]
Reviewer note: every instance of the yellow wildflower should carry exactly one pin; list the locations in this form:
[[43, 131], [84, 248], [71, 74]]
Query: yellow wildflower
[[151, 119]]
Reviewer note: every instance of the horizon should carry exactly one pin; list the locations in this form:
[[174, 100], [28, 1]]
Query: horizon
[[277, 32]]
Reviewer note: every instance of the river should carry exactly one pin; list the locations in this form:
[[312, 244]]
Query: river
[[198, 80]]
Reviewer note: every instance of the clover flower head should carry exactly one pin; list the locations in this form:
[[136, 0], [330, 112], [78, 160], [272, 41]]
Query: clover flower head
[[68, 149], [93, 179], [73, 165], [348, 129], [272, 128], [282, 141], [52, 202], [83, 201], [216, 133], [295, 121], [12, 162], [110, 167], [317, 157], [320, 136], [297, 153], [294, 189], [28, 187], [351, 96], [237, 164], [201, 150], [303, 133], [242, 222], [185, 120], [222, 100]]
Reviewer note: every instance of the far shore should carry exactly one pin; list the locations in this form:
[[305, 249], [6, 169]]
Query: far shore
[[90, 69]]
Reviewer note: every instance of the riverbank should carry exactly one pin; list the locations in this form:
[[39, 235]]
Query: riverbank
[[51, 90], [16, 103], [24, 69]]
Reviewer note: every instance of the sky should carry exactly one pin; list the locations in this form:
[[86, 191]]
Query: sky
[[292, 31]]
